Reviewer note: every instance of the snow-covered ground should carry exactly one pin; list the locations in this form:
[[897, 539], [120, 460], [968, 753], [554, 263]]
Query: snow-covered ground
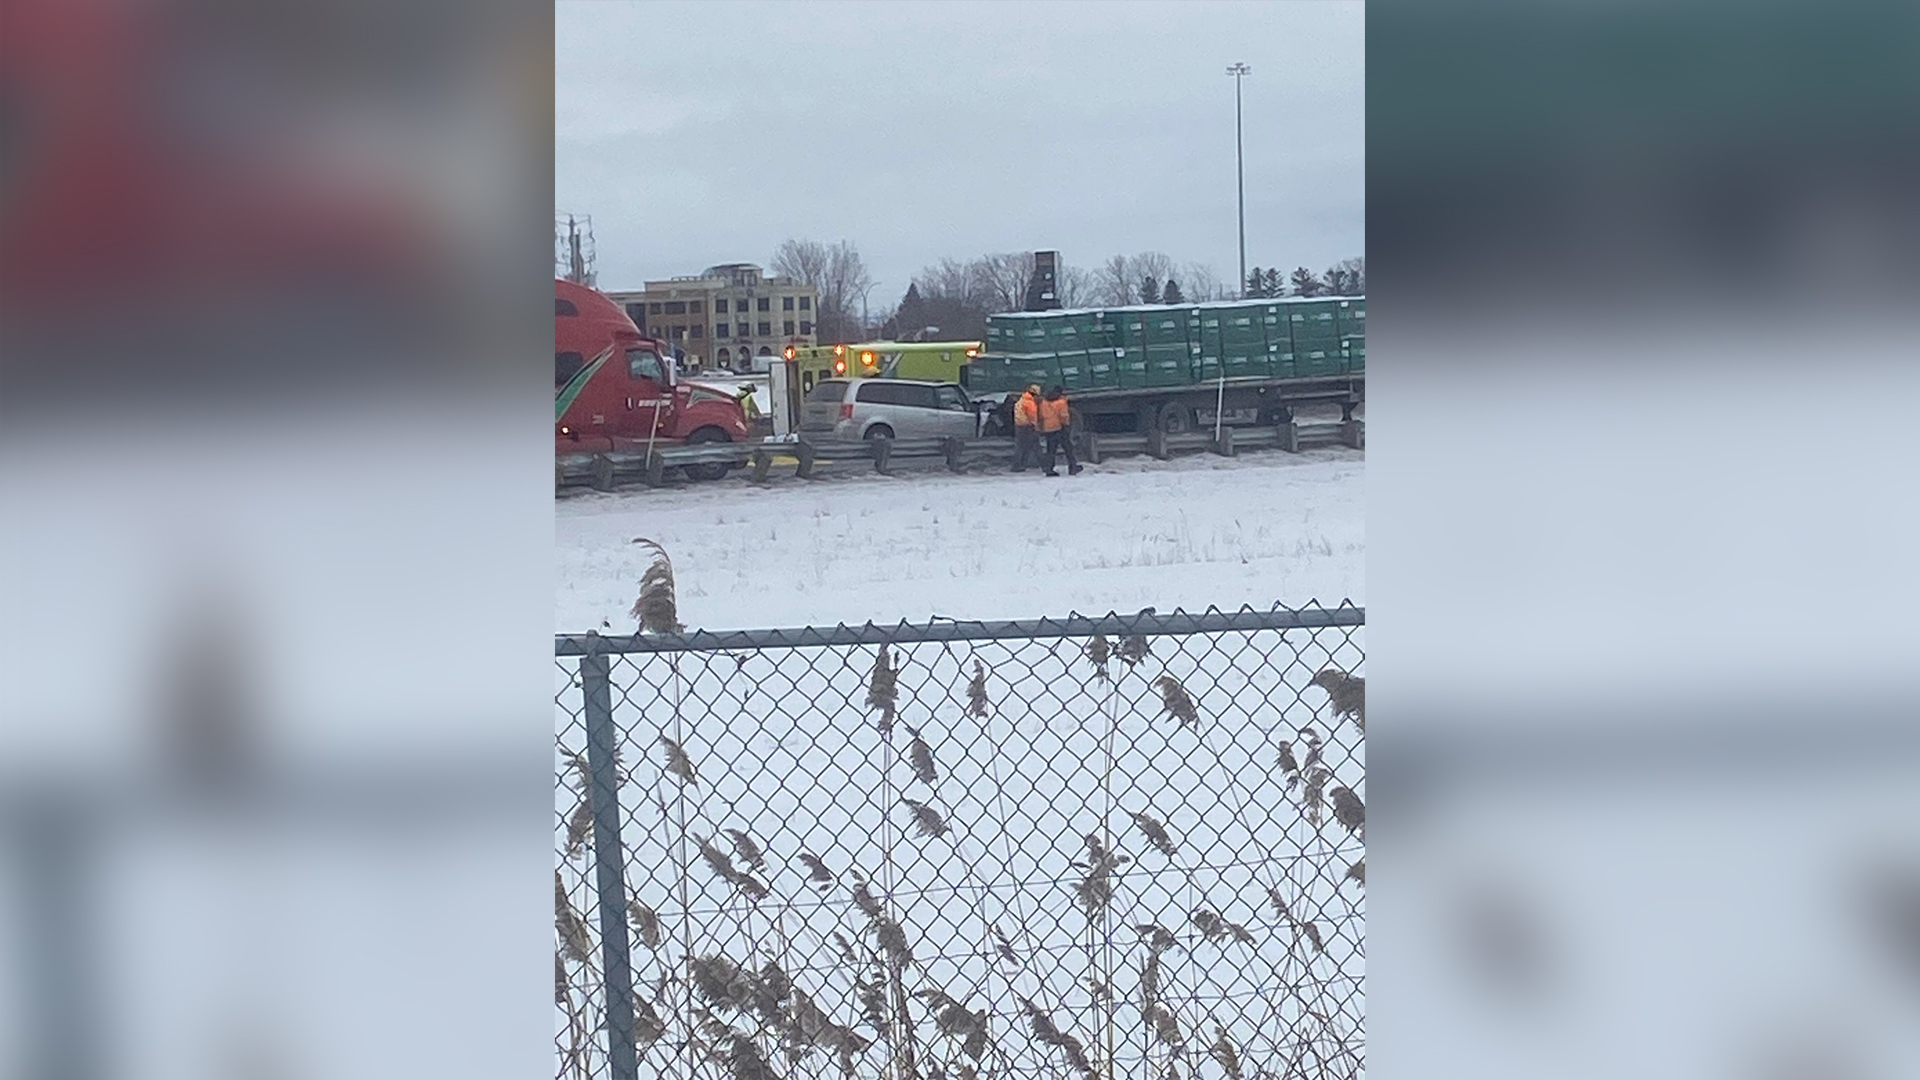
[[1123, 535]]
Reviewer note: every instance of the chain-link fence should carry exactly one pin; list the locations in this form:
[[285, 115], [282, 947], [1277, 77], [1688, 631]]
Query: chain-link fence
[[1119, 846]]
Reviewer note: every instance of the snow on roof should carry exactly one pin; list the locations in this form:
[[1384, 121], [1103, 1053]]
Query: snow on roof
[[1213, 305]]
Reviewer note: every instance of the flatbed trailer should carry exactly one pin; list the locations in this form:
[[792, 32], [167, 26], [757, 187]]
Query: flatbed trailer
[[1176, 368]]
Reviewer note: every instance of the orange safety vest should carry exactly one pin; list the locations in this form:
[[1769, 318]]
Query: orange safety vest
[[1026, 411], [1054, 415]]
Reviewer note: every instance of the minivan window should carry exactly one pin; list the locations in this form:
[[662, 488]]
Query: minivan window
[[827, 391], [952, 398], [888, 393]]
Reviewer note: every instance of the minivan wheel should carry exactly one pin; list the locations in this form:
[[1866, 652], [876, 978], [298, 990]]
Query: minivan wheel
[[879, 431], [714, 470]]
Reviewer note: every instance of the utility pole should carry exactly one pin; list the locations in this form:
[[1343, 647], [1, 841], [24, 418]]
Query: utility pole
[[1240, 71], [578, 251]]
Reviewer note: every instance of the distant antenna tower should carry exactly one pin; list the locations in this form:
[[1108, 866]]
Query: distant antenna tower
[[573, 249]]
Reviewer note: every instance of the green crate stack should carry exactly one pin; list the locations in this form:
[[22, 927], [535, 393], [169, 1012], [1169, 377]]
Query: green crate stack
[[1170, 358], [1243, 340], [1069, 336], [1206, 330], [1130, 348], [1352, 318], [1316, 338]]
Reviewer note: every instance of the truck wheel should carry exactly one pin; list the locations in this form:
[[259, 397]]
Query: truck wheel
[[1174, 418], [716, 470]]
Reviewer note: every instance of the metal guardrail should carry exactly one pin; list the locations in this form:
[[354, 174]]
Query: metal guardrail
[[606, 471], [1082, 846]]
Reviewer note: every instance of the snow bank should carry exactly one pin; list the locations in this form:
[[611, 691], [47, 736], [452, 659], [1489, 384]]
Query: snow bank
[[1123, 535]]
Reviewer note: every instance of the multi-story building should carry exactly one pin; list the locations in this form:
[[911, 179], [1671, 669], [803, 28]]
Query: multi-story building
[[728, 316]]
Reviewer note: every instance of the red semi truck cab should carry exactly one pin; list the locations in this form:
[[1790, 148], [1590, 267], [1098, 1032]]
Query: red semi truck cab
[[614, 388]]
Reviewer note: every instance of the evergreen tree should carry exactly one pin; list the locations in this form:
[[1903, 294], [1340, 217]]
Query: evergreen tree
[[1305, 284], [1149, 290], [1171, 294], [1272, 287], [1256, 285], [911, 317]]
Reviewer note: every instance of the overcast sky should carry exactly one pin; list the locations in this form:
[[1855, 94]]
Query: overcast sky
[[708, 132]]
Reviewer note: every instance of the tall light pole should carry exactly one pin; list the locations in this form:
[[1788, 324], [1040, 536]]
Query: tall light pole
[[1240, 71]]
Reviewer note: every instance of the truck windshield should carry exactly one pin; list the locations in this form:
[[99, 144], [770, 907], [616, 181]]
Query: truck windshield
[[644, 364]]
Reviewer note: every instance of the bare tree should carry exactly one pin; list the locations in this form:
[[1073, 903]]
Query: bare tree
[[1004, 278], [1115, 280], [952, 280], [1201, 285], [837, 273], [803, 260], [1119, 278], [847, 283], [1076, 287], [1156, 263]]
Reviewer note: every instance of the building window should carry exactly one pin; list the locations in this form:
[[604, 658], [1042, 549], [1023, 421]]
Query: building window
[[787, 328], [653, 309], [638, 313], [720, 330], [806, 303], [786, 303], [679, 333], [766, 304], [676, 307], [806, 329], [766, 328], [744, 330], [725, 356], [765, 351], [697, 330], [693, 307], [720, 307]]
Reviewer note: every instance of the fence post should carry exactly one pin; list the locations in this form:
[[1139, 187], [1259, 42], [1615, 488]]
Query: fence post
[[609, 862]]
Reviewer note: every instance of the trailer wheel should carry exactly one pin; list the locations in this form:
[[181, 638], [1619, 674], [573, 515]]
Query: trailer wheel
[[1174, 418], [713, 470]]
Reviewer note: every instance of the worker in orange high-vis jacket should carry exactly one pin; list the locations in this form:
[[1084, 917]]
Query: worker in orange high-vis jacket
[[1056, 426], [1026, 429]]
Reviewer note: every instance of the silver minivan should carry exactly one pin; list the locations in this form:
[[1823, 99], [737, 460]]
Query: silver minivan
[[887, 409]]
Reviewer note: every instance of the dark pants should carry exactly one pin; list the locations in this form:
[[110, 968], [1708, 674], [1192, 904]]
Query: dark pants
[[1058, 441], [1026, 448]]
